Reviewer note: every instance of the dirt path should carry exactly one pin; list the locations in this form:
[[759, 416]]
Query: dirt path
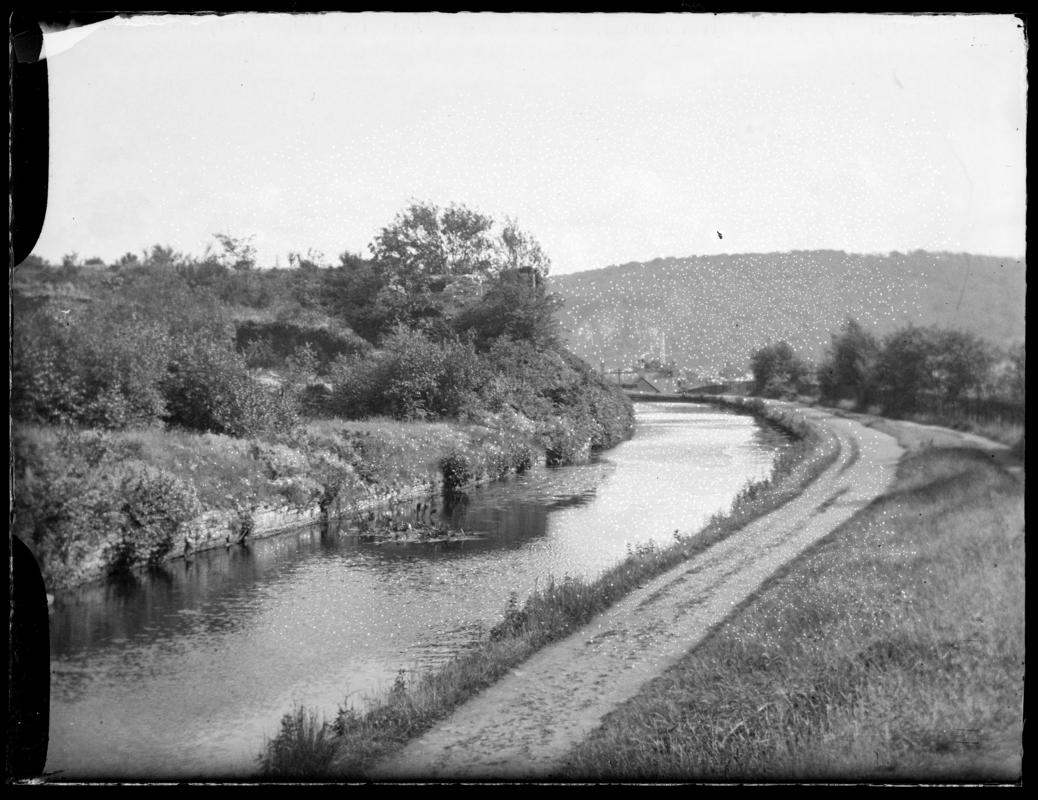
[[524, 725]]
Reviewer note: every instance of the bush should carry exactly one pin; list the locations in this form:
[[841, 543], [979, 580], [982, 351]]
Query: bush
[[457, 471], [153, 505], [72, 366], [270, 344], [85, 498], [568, 441], [411, 377], [209, 388]]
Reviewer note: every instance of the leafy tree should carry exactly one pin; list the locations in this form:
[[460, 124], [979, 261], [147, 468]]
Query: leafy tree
[[850, 365], [163, 258], [236, 254], [962, 362], [514, 308], [904, 371], [128, 259], [520, 251], [350, 292], [1017, 376], [411, 249], [423, 251], [467, 245], [777, 371]]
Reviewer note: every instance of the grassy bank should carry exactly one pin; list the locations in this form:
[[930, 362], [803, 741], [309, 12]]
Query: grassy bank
[[893, 651], [89, 502], [1004, 431], [346, 746]]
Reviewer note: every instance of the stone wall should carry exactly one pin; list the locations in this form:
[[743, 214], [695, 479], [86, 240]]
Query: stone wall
[[214, 529]]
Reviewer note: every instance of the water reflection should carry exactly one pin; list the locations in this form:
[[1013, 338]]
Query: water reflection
[[184, 671]]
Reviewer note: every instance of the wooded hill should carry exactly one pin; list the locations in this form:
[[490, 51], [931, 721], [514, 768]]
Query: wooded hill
[[715, 310]]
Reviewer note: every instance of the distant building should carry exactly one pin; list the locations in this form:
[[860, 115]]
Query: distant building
[[642, 385], [655, 385]]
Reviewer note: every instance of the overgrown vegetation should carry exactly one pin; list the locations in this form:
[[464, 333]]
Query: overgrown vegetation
[[893, 651], [562, 606], [449, 321], [83, 496]]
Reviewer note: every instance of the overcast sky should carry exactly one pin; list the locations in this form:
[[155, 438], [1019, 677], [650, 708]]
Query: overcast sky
[[611, 138]]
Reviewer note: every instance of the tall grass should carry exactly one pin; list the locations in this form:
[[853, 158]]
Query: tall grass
[[304, 746], [893, 651], [552, 613]]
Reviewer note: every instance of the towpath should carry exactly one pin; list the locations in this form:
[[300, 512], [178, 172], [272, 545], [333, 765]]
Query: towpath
[[524, 725]]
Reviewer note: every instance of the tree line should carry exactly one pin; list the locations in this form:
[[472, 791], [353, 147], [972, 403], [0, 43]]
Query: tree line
[[913, 370]]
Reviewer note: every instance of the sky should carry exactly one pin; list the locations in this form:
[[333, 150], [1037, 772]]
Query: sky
[[609, 137]]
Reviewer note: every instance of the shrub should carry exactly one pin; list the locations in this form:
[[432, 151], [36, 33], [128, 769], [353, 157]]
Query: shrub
[[568, 441], [73, 366], [456, 469], [208, 388], [522, 457], [270, 344], [82, 499], [153, 505], [411, 377]]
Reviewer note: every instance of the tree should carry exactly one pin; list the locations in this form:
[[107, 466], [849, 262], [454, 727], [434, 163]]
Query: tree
[[236, 254], [162, 257], [467, 246], [350, 292], [426, 245], [904, 371], [850, 365], [512, 307], [962, 362], [520, 251], [777, 371], [127, 260], [411, 249], [434, 263], [1017, 377]]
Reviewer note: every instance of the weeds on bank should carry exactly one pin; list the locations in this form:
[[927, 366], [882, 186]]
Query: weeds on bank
[[74, 486], [549, 614], [893, 650], [303, 746]]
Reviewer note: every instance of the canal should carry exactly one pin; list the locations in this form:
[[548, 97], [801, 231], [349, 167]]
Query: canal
[[185, 672]]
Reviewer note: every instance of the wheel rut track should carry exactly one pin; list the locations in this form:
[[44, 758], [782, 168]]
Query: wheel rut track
[[524, 725]]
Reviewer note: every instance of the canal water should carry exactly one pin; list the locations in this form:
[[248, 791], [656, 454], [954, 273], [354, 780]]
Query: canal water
[[184, 673]]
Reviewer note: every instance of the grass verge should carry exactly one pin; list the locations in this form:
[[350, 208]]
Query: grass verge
[[563, 606], [893, 651]]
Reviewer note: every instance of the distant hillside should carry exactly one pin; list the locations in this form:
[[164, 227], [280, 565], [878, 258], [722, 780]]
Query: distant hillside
[[714, 310]]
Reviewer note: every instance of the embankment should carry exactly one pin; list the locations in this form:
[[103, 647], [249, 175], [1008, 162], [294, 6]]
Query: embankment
[[90, 503]]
